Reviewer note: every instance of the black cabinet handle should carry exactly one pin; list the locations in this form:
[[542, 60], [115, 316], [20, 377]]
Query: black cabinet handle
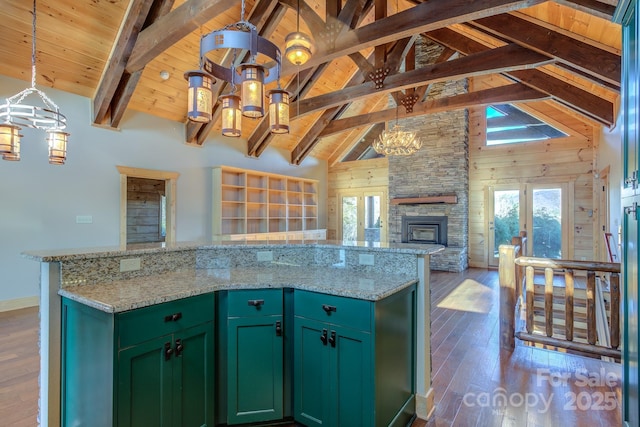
[[278, 329], [173, 317], [323, 337], [332, 339], [168, 351], [329, 308], [179, 347], [256, 302]]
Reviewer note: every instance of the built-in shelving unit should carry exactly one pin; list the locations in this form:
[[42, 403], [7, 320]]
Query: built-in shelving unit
[[247, 203]]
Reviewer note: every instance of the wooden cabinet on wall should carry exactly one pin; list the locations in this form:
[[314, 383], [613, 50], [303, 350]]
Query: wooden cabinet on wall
[[247, 202]]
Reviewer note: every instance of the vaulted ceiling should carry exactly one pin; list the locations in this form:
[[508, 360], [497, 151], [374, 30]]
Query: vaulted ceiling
[[114, 52]]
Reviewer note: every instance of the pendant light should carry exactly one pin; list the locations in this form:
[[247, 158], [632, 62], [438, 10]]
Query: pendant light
[[199, 99], [297, 44], [279, 110], [252, 81], [14, 114], [231, 114]]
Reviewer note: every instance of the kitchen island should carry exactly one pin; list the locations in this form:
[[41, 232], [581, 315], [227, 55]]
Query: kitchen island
[[115, 280]]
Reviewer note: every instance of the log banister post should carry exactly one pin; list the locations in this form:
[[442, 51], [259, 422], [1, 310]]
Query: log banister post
[[507, 280]]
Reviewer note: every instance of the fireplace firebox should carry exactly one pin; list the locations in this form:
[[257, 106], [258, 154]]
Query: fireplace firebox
[[424, 229]]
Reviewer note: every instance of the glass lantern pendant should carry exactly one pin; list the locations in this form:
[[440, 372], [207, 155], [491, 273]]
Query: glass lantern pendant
[[10, 142], [200, 105], [231, 115], [57, 147], [279, 111], [252, 78]]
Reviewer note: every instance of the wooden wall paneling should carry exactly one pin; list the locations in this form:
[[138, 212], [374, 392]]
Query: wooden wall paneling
[[143, 210]]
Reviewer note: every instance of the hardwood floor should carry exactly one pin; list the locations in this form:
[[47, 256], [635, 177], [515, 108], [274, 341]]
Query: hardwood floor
[[475, 383]]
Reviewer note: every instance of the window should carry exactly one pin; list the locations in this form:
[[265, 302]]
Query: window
[[507, 124]]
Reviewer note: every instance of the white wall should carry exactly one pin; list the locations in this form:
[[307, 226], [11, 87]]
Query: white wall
[[610, 154], [39, 202]]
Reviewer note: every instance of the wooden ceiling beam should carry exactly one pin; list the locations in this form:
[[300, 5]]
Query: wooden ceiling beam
[[427, 16], [580, 100], [597, 62], [506, 58], [173, 27], [351, 13], [515, 92], [132, 23], [310, 138], [592, 7]]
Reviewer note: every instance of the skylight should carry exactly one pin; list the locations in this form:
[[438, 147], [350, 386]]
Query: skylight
[[507, 124]]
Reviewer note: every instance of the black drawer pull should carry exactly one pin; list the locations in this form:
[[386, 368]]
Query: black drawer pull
[[168, 351], [323, 337], [256, 302], [278, 329], [329, 308], [332, 339], [173, 317], [179, 347]]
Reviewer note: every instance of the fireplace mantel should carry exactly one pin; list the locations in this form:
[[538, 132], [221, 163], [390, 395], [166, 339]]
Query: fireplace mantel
[[424, 200]]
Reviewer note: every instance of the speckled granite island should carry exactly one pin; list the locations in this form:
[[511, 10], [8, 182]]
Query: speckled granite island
[[117, 280]]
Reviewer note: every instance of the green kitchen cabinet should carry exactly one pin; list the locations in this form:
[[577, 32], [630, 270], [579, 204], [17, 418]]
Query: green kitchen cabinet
[[148, 366], [354, 360], [250, 356]]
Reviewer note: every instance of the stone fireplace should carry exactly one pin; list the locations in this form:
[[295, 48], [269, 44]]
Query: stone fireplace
[[439, 168]]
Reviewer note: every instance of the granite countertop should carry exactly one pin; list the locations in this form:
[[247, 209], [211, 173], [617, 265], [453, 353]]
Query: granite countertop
[[56, 255], [123, 295]]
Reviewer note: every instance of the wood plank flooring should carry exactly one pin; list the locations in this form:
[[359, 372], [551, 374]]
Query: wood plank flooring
[[475, 383]]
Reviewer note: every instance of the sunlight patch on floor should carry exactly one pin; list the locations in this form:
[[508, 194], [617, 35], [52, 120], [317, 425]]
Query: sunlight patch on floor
[[469, 296]]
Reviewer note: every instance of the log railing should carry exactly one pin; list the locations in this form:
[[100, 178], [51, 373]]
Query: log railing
[[511, 284]]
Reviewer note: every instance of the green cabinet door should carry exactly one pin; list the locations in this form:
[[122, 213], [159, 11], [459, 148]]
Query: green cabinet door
[[255, 369], [332, 375], [311, 372], [144, 395], [351, 384], [192, 379]]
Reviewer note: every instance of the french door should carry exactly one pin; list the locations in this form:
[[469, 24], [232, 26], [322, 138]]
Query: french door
[[539, 209], [362, 216]]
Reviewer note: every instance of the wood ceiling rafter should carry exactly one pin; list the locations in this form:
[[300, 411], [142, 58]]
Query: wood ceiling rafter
[[595, 62], [515, 92], [117, 84], [265, 15], [506, 58], [431, 15], [351, 13], [573, 97], [592, 7], [310, 139]]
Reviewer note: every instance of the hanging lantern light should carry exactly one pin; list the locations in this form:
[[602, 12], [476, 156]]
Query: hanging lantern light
[[252, 78], [279, 110], [200, 103], [297, 48], [10, 141], [57, 146], [231, 115]]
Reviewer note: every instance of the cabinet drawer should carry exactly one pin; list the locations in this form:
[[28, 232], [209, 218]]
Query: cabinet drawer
[[250, 302], [348, 312], [142, 324]]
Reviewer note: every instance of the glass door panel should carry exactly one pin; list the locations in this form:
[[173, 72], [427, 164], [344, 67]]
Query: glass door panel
[[372, 218], [504, 220], [546, 233], [350, 218]]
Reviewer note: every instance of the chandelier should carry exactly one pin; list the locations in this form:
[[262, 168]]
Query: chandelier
[[397, 142], [249, 76], [14, 114]]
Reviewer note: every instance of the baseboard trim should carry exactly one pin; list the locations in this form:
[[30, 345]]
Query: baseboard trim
[[425, 405], [18, 303]]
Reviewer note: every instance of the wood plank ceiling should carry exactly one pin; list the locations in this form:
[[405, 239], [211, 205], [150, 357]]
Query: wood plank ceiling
[[113, 51]]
